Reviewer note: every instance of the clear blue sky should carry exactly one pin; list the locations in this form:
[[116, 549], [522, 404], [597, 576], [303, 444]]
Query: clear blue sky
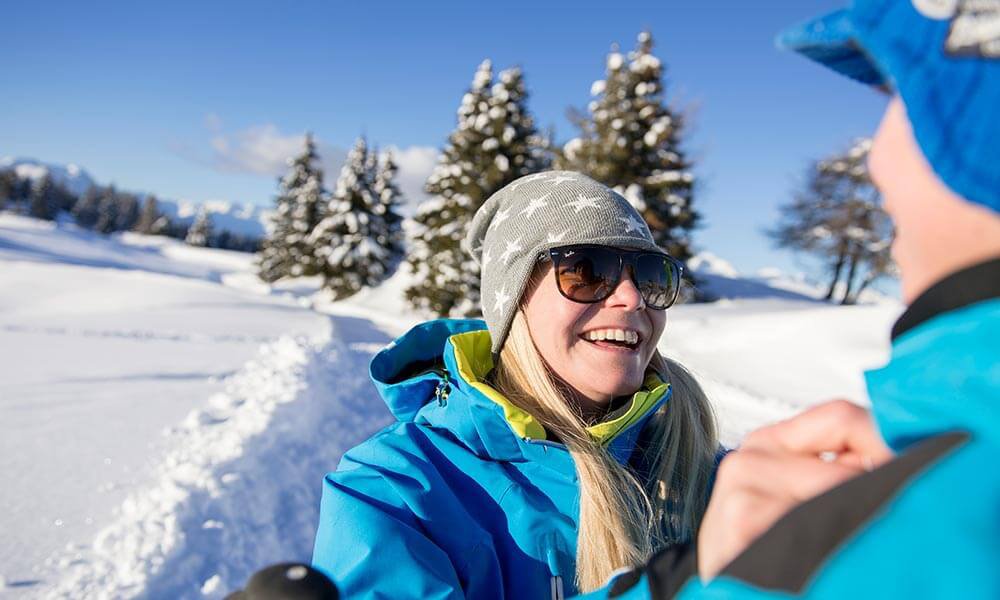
[[178, 98]]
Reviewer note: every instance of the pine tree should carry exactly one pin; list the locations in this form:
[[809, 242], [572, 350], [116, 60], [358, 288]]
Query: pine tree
[[390, 198], [355, 241], [200, 232], [151, 222], [127, 212], [107, 211], [8, 186], [87, 208], [631, 141], [836, 216], [298, 209], [43, 199], [494, 143]]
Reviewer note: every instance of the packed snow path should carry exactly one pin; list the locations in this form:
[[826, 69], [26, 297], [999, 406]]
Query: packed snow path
[[241, 488]]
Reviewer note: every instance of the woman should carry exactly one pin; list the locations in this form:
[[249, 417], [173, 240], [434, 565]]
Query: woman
[[534, 457]]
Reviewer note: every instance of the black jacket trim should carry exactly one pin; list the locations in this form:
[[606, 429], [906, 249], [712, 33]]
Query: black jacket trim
[[962, 288], [787, 556], [666, 573]]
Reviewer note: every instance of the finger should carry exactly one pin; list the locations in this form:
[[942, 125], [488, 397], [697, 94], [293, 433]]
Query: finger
[[732, 523], [796, 476], [857, 461], [837, 426]]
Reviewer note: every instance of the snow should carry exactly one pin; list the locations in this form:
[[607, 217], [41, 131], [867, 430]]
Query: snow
[[706, 263], [166, 419]]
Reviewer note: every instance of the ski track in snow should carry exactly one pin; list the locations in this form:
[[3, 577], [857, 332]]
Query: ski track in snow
[[241, 488], [140, 334]]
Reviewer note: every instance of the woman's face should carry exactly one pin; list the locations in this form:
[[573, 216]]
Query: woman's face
[[598, 371]]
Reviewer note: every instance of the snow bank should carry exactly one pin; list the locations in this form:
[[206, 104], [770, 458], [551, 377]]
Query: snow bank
[[241, 488]]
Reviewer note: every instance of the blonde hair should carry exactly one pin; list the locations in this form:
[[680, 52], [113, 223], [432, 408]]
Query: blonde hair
[[622, 520]]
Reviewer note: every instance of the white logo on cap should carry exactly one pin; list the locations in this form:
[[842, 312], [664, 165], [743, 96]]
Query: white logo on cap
[[975, 30], [936, 9]]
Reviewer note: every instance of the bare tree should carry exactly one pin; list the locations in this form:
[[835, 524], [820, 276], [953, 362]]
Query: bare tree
[[836, 216]]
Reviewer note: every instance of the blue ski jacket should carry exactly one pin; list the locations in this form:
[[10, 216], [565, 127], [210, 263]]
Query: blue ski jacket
[[926, 524], [463, 496]]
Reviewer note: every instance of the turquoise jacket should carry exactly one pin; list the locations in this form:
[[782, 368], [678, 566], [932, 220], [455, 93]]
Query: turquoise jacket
[[463, 496], [926, 525]]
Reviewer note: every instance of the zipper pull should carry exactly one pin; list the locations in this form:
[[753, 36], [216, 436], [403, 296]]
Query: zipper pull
[[442, 391], [551, 553], [556, 586]]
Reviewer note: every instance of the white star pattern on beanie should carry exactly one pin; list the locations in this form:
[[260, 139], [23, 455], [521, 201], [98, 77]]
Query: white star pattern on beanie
[[486, 258], [502, 298], [526, 179], [583, 202], [558, 179], [498, 218], [508, 252], [631, 224], [535, 205], [556, 237]]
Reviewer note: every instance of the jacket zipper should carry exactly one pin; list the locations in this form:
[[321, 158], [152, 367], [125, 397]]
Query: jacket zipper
[[556, 590]]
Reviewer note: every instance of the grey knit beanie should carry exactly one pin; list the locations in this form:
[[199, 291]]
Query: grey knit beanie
[[533, 214]]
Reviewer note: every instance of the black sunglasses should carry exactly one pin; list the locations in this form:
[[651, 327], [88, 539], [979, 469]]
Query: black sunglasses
[[589, 273]]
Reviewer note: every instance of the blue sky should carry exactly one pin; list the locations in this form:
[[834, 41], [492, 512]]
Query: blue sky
[[201, 100]]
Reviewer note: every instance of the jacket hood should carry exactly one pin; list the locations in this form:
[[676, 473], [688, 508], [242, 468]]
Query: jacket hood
[[434, 374]]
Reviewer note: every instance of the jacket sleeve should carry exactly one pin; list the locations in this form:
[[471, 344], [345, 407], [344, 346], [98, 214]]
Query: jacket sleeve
[[372, 546]]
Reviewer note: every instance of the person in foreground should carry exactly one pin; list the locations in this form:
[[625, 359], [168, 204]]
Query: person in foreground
[[926, 521], [541, 450]]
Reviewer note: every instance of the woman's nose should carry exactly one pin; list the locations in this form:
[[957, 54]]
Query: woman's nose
[[626, 293]]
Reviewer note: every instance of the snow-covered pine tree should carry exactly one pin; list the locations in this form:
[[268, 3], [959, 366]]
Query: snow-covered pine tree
[[43, 203], [494, 143], [200, 232], [298, 209], [354, 242], [390, 198], [630, 140]]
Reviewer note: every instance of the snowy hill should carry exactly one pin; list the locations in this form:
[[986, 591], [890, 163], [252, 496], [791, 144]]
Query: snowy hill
[[166, 419], [719, 279], [241, 219]]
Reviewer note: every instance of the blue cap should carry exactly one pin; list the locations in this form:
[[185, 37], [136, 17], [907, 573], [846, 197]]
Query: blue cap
[[943, 58]]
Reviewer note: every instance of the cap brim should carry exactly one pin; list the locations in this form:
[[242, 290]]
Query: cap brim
[[832, 41]]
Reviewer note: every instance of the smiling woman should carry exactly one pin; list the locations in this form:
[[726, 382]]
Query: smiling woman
[[535, 457]]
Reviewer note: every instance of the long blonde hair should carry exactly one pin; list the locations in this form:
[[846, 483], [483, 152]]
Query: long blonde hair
[[623, 520]]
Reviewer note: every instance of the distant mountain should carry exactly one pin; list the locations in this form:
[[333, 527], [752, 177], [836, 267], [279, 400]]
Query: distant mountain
[[240, 219], [70, 176]]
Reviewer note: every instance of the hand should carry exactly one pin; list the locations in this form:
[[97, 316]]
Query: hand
[[779, 467]]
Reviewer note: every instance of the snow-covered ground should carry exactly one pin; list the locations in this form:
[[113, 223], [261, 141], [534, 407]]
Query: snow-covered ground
[[166, 419]]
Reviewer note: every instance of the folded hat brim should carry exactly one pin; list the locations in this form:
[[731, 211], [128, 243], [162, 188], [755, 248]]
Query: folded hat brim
[[832, 41]]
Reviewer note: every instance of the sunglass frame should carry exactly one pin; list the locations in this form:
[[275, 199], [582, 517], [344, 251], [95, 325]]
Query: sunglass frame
[[632, 256]]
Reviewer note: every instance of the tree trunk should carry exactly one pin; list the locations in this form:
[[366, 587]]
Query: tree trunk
[[837, 269], [864, 284], [850, 279]]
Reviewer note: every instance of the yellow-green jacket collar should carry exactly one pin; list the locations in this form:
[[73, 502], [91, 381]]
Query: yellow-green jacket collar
[[411, 380]]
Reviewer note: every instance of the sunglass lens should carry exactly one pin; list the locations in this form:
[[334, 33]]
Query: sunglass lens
[[659, 280], [587, 274]]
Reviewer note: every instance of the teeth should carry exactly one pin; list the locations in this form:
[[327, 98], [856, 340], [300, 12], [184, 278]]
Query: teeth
[[620, 335]]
